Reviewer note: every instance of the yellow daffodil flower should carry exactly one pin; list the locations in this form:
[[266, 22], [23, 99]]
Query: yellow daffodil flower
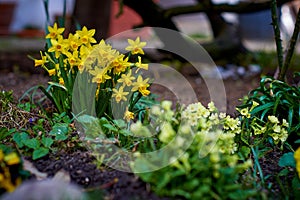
[[100, 75], [73, 42], [120, 94], [58, 47], [120, 64], [51, 72], [54, 32], [128, 115], [86, 36], [61, 81], [135, 46], [141, 85], [140, 65], [126, 79], [73, 58], [40, 62]]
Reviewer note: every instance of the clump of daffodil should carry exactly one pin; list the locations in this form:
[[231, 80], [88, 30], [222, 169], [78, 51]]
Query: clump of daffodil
[[117, 76]]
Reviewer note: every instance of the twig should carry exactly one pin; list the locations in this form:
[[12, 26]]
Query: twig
[[277, 34], [292, 44]]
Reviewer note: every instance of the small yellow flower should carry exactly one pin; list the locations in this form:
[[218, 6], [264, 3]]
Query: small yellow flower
[[100, 75], [120, 64], [140, 84], [86, 36], [61, 81], [273, 119], [126, 79], [12, 159], [74, 42], [40, 62], [135, 47], [58, 46], [73, 58], [254, 104], [54, 32], [119, 94], [140, 65], [245, 112], [51, 72], [128, 115], [297, 159]]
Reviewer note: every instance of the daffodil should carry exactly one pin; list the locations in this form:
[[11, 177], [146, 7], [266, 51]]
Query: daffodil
[[86, 36], [73, 42], [51, 72], [54, 32], [135, 46], [61, 81], [140, 65], [141, 85], [126, 79], [128, 115], [120, 94], [73, 58], [42, 61], [58, 47], [100, 75], [120, 64]]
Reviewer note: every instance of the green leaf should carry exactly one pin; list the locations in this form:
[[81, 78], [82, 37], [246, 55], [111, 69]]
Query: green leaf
[[60, 131], [110, 127], [32, 143], [47, 142], [5, 132], [284, 172], [287, 160], [40, 152], [125, 132], [19, 138]]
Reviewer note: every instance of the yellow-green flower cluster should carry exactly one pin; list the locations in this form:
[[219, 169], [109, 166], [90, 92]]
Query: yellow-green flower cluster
[[6, 162], [208, 119], [212, 134], [278, 131]]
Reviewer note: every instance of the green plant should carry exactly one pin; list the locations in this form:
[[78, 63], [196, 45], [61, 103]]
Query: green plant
[[209, 168], [270, 113]]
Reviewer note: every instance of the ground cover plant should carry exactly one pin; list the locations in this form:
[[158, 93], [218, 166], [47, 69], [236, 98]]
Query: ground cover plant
[[212, 155]]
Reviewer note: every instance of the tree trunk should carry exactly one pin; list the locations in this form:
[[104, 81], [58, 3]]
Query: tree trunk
[[94, 14]]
